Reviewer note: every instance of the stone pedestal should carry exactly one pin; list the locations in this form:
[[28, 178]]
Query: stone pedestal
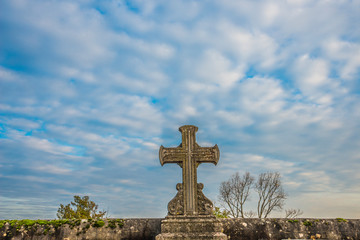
[[176, 228]]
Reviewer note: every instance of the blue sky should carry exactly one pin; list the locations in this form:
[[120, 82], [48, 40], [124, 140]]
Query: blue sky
[[89, 90]]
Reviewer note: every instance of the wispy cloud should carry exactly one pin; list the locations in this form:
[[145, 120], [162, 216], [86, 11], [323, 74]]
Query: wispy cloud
[[90, 90]]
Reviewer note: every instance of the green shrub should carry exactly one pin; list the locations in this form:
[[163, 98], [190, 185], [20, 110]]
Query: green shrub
[[80, 208], [220, 214], [307, 223]]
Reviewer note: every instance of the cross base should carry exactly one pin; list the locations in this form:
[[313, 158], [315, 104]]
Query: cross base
[[203, 205], [203, 228]]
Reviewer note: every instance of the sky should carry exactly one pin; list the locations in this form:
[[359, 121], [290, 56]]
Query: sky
[[89, 91]]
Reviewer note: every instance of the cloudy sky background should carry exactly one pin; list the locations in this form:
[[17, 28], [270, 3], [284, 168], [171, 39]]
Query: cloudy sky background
[[89, 90]]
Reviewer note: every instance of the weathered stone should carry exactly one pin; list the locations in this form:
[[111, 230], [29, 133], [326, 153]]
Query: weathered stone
[[277, 228], [188, 236], [188, 224], [236, 229], [132, 229], [190, 213], [188, 155], [191, 228], [176, 205]]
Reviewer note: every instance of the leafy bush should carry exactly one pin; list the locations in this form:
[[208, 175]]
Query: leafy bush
[[220, 214], [81, 208]]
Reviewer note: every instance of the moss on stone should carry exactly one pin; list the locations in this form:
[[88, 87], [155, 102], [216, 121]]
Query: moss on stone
[[293, 220], [341, 220], [307, 223], [98, 223]]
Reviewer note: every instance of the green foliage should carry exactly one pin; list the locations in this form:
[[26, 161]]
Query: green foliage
[[120, 222], [76, 222], [87, 226], [34, 224], [26, 223], [293, 220], [2, 223], [112, 223], [98, 223], [81, 208], [42, 222], [307, 223], [341, 220], [58, 223], [48, 227], [220, 214]]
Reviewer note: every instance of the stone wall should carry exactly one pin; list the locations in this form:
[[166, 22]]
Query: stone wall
[[111, 229], [276, 228], [136, 229]]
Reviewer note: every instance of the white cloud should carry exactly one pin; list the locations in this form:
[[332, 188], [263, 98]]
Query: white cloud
[[316, 181], [217, 69], [109, 147], [257, 164], [75, 73], [328, 205], [235, 118], [21, 123], [270, 12], [49, 168], [39, 143], [32, 179], [160, 50], [250, 47], [314, 81], [312, 73], [346, 52], [7, 75], [121, 17]]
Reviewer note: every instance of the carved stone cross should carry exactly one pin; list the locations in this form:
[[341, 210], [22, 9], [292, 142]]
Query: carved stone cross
[[189, 200]]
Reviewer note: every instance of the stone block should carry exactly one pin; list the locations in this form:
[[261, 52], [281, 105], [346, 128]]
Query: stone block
[[191, 236], [191, 228]]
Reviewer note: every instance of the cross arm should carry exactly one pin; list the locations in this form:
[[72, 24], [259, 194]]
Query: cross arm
[[171, 155], [207, 154]]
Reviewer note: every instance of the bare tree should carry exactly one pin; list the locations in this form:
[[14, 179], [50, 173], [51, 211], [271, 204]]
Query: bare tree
[[235, 192], [250, 214], [293, 213], [271, 193]]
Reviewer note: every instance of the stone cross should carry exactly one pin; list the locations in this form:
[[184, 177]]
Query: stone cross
[[188, 156]]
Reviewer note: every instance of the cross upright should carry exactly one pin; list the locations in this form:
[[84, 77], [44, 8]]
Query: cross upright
[[189, 155]]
